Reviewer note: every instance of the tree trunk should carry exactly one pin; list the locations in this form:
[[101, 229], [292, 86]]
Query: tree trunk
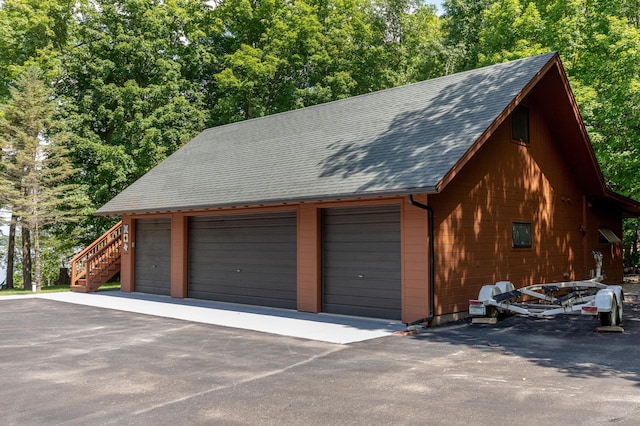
[[26, 257], [36, 253], [11, 249], [634, 247]]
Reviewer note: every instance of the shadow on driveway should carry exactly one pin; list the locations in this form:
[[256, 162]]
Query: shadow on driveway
[[566, 343]]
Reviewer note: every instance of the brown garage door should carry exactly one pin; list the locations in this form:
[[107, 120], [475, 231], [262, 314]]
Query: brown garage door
[[361, 261], [153, 256], [248, 259]]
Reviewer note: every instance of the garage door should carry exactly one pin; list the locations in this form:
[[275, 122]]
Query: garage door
[[153, 256], [248, 259], [361, 261]]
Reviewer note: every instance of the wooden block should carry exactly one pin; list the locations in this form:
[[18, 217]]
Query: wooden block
[[610, 329], [483, 320]]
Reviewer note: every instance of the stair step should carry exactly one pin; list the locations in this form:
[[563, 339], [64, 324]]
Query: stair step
[[106, 260]]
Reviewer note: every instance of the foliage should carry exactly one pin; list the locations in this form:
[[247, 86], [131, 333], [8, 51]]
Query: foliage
[[36, 169], [128, 91], [136, 79], [282, 55], [32, 33]]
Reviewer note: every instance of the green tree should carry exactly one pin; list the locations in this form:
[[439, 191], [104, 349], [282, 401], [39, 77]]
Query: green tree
[[32, 33], [510, 31], [35, 166], [132, 90], [270, 49], [282, 55], [462, 24]]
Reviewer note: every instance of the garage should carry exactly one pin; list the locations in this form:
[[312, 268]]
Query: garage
[[249, 259], [361, 261], [153, 256]]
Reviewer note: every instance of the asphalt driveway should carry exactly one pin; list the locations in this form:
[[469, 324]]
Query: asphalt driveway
[[63, 363]]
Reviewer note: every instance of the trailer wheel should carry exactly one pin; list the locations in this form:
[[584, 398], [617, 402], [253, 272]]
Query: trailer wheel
[[610, 318], [492, 312]]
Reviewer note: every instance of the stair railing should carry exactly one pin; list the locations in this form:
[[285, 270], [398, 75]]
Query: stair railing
[[98, 256]]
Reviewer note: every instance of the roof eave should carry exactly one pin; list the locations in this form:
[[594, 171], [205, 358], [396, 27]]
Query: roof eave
[[270, 202], [629, 206]]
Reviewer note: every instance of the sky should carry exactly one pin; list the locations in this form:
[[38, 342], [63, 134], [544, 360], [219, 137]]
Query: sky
[[438, 3]]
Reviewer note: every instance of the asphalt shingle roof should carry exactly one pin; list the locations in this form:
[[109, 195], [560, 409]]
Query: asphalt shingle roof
[[393, 141]]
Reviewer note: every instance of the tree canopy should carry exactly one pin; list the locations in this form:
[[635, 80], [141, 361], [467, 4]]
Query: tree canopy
[[136, 79]]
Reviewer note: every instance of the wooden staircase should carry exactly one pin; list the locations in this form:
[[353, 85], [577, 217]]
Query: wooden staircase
[[98, 263]]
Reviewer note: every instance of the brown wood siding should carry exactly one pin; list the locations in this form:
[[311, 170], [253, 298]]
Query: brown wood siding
[[309, 259], [415, 261], [127, 265], [509, 182], [612, 262], [179, 245]]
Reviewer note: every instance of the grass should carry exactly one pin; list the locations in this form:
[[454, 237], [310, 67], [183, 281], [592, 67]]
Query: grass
[[55, 289]]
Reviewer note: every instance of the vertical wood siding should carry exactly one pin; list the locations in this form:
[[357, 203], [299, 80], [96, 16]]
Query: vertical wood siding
[[509, 182], [309, 262]]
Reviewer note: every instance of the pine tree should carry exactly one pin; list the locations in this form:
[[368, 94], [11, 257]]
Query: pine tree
[[35, 167]]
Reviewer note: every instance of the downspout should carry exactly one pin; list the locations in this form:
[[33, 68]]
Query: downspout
[[432, 291]]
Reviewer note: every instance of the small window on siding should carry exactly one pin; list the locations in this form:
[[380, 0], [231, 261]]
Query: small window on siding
[[607, 236], [521, 234], [520, 124]]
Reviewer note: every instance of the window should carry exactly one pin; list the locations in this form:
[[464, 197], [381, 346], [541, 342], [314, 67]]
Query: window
[[607, 236], [521, 234], [520, 124]]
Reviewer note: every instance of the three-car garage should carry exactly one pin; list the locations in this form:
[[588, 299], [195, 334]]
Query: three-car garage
[[252, 259]]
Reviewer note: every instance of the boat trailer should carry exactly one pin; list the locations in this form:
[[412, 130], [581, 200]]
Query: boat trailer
[[586, 297]]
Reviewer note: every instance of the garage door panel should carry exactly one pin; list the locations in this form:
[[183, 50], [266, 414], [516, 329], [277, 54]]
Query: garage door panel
[[243, 300], [361, 261], [369, 278], [230, 270], [234, 293], [347, 237], [233, 289], [153, 256], [373, 294], [248, 279], [361, 311], [249, 259], [256, 238], [235, 256], [377, 302]]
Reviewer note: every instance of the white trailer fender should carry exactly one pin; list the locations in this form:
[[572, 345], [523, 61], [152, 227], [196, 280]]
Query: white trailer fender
[[504, 286], [487, 292], [605, 297]]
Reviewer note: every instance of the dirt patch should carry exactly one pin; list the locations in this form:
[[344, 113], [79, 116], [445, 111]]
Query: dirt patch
[[632, 279], [631, 288]]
